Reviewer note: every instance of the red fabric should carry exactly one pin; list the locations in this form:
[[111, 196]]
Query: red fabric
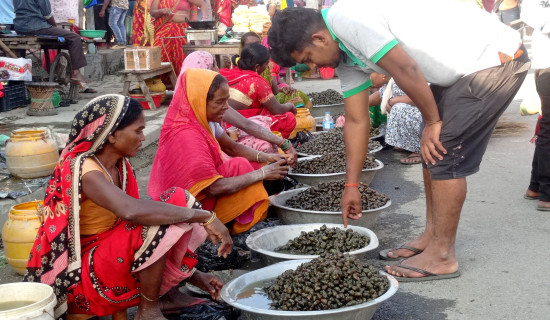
[[224, 11], [198, 155], [170, 37], [259, 90], [251, 84], [1, 92]]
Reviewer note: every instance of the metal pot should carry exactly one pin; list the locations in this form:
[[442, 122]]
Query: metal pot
[[202, 25]]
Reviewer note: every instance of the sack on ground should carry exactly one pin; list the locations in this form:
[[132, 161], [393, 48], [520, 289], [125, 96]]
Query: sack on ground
[[18, 69]]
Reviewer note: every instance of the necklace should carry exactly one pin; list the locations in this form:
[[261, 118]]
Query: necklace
[[104, 169]]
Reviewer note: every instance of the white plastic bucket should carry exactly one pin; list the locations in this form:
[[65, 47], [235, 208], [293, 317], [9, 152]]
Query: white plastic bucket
[[41, 297]]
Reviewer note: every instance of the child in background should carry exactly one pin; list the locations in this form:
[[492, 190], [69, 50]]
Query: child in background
[[117, 14]]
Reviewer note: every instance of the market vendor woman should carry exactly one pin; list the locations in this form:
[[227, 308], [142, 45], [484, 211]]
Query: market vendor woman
[[101, 248]]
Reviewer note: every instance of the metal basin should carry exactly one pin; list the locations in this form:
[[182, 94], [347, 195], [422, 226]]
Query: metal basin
[[319, 110], [298, 216], [313, 179], [265, 241], [256, 306]]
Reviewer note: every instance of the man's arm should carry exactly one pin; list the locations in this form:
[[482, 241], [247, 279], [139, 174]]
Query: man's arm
[[104, 8], [410, 79], [356, 138], [46, 11]]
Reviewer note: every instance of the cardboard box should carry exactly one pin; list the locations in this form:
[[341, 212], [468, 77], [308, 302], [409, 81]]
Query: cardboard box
[[142, 58]]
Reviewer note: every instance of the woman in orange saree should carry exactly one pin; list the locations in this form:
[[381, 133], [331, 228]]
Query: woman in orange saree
[[190, 154]]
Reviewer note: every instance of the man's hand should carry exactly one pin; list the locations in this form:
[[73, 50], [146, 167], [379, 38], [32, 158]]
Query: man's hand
[[102, 13], [430, 145], [351, 204]]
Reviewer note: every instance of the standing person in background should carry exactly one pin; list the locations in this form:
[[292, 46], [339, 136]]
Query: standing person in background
[[35, 17], [170, 24], [6, 13], [117, 14], [507, 11], [101, 23], [537, 15], [475, 70]]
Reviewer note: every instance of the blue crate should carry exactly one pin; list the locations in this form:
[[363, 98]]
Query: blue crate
[[15, 95]]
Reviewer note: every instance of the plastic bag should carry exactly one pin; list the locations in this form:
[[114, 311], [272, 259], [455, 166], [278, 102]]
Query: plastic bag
[[19, 69]]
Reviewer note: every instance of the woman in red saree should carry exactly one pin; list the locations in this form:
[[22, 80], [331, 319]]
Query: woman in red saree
[[100, 247], [190, 154], [252, 95], [168, 24]]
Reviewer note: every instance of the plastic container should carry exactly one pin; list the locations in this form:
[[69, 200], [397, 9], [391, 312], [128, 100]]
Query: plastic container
[[56, 99], [31, 154], [30, 301], [326, 73], [19, 233], [156, 85], [15, 95], [157, 97], [93, 33], [304, 121], [328, 123]]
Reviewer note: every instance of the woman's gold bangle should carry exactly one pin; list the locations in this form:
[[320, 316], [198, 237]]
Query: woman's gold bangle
[[212, 218], [258, 157]]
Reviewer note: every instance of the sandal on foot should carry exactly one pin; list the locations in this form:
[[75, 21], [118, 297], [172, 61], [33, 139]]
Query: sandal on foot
[[413, 158], [428, 276], [528, 197], [384, 253], [543, 208]]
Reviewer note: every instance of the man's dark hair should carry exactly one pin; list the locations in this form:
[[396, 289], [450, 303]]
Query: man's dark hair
[[216, 84], [291, 30], [131, 115], [253, 54]]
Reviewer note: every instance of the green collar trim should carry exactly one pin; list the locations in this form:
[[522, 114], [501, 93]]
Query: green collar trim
[[354, 59], [354, 91]]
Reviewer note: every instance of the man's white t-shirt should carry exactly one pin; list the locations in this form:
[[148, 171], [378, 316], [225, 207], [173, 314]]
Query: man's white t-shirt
[[447, 39]]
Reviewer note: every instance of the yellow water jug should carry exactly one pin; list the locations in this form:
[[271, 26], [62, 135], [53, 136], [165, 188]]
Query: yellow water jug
[[304, 121], [19, 233], [31, 154], [155, 84]]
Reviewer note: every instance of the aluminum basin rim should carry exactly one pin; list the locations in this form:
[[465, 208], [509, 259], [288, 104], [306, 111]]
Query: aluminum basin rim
[[321, 212], [373, 240], [320, 175], [394, 285]]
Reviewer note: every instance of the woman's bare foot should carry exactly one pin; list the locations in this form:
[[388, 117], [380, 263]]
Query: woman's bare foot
[[428, 261], [148, 313], [174, 300], [412, 158]]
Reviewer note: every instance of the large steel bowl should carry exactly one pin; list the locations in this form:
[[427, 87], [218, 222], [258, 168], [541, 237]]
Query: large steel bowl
[[319, 110], [301, 154], [290, 215], [313, 179], [265, 241], [256, 306]]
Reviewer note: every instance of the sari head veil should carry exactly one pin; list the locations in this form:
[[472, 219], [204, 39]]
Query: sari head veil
[[188, 155], [55, 257], [197, 60]]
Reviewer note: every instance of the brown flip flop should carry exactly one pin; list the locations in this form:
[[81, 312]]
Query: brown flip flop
[[428, 276], [383, 255]]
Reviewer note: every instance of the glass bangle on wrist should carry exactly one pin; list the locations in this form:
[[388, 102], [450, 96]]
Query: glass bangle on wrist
[[212, 218]]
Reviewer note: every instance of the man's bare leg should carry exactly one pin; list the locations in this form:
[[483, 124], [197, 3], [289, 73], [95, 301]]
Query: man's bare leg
[[439, 255], [422, 241]]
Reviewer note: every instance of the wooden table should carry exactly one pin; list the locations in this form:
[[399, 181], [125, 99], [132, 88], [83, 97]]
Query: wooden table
[[215, 49], [139, 76]]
